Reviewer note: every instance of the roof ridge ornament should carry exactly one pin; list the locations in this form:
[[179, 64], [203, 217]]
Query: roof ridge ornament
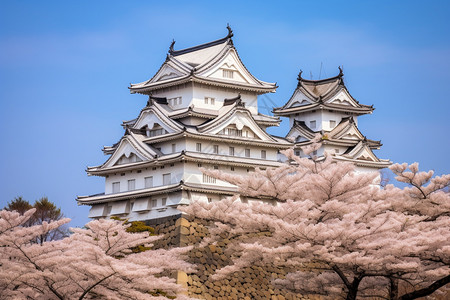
[[230, 31], [299, 76], [341, 75], [171, 46]]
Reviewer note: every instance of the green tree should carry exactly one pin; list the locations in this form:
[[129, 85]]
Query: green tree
[[19, 204], [46, 211]]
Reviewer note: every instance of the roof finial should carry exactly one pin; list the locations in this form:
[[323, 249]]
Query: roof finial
[[171, 46], [341, 72], [230, 32], [299, 77]]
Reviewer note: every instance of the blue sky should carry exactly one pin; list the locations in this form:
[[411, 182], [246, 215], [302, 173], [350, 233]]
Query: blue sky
[[65, 67]]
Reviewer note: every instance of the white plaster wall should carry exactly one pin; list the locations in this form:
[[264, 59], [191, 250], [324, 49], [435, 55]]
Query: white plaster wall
[[176, 174], [224, 149], [195, 94], [322, 119], [307, 117], [166, 147], [200, 92], [183, 91]]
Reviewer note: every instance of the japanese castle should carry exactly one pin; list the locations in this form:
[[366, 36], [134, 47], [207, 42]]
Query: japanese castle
[[202, 112]]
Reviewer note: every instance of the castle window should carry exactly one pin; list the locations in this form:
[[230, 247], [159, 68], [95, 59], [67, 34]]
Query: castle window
[[247, 152], [166, 179], [174, 101], [232, 151], [312, 124], [332, 123], [210, 100], [228, 73], [216, 149], [199, 147], [174, 148], [149, 182], [208, 179], [154, 202], [336, 150], [263, 154], [116, 187], [131, 185], [156, 130], [232, 169], [163, 201], [216, 167]]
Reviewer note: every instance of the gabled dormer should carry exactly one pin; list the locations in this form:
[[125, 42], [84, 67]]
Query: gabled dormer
[[216, 63]]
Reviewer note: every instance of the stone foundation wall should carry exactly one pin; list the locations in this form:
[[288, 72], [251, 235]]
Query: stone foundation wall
[[250, 283]]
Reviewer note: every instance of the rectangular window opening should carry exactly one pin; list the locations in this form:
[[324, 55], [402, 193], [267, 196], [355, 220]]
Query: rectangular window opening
[[232, 151], [149, 182], [116, 187], [263, 154], [166, 179], [131, 184]]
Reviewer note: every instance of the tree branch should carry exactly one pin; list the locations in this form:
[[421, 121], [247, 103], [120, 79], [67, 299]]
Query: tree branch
[[428, 290]]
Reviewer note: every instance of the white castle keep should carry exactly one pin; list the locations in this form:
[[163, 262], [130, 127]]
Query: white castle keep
[[202, 111]]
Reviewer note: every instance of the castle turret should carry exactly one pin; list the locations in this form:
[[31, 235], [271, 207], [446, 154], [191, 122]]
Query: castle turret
[[325, 106]]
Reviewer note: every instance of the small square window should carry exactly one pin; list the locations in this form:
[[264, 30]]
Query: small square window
[[232, 151], [263, 154], [247, 152], [131, 185], [216, 167], [199, 147], [154, 202], [216, 149], [232, 168], [149, 182], [163, 201], [166, 179], [116, 187], [312, 124], [174, 148], [332, 123]]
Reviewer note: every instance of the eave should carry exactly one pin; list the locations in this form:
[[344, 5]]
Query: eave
[[365, 163], [207, 158], [99, 199], [217, 138], [145, 90], [323, 106]]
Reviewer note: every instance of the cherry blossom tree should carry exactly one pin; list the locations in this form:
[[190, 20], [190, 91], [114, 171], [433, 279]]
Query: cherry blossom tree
[[93, 262], [335, 230]]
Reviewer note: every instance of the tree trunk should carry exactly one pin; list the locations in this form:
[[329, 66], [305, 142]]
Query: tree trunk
[[353, 289], [393, 289]]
